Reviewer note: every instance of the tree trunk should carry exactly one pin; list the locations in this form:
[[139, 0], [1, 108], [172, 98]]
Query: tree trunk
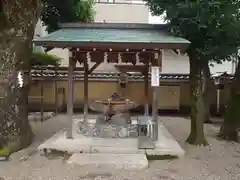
[[198, 85], [231, 125], [16, 33], [207, 94]]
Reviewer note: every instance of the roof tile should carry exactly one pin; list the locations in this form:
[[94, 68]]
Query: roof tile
[[50, 74], [112, 36]]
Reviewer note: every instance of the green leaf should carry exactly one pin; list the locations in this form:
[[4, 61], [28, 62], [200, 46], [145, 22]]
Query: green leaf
[[55, 12], [39, 58], [212, 27]]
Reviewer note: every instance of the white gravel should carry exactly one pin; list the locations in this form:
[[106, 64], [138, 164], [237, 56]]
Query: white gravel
[[219, 161]]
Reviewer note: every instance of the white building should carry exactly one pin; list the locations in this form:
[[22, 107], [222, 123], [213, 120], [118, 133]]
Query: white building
[[121, 11]]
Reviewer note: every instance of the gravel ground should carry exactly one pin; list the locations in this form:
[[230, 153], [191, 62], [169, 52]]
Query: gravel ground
[[219, 161]]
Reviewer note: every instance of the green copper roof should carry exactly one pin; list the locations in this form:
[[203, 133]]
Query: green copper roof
[[71, 35], [112, 35]]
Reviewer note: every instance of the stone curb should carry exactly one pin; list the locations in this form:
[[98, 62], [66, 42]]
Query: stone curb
[[37, 116]]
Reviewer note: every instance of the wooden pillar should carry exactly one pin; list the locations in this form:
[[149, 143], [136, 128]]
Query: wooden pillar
[[42, 94], [85, 116], [218, 94], [146, 90], [56, 90], [71, 66], [157, 63]]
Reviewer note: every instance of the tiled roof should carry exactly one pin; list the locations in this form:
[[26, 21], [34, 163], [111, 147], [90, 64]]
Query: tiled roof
[[111, 35], [50, 74], [73, 34], [63, 74]]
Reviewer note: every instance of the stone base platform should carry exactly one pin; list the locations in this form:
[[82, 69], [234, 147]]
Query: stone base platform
[[112, 161], [166, 144]]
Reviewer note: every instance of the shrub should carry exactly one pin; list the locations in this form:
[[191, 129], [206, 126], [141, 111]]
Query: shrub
[[44, 59]]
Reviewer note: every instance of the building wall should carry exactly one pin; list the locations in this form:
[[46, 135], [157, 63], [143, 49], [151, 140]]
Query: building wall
[[101, 90], [121, 13], [40, 30]]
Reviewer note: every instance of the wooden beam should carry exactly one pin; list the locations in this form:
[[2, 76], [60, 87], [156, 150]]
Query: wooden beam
[[96, 56], [145, 56], [47, 49], [129, 57], [131, 68], [56, 92], [54, 68], [146, 89], [80, 56], [71, 66], [157, 62], [112, 57], [80, 61], [94, 67], [115, 50], [177, 51], [42, 94], [85, 90], [121, 46], [79, 69]]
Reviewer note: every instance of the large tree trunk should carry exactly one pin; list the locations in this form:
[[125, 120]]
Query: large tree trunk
[[198, 85], [16, 33], [231, 125], [207, 94]]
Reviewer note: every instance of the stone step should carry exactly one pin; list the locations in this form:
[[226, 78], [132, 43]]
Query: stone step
[[110, 161]]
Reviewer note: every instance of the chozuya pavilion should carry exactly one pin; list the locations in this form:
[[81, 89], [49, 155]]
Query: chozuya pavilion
[[141, 47]]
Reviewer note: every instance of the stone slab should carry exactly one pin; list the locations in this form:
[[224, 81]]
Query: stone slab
[[48, 144], [61, 143], [72, 145], [145, 142], [116, 150], [112, 161], [36, 116], [166, 144]]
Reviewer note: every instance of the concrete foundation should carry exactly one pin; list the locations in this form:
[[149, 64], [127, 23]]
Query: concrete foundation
[[166, 144]]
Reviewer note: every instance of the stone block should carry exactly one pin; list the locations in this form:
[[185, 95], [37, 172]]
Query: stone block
[[111, 161]]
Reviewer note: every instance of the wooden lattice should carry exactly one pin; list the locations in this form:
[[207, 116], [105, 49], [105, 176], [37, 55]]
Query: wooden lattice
[[97, 56], [129, 57], [112, 57], [145, 56]]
